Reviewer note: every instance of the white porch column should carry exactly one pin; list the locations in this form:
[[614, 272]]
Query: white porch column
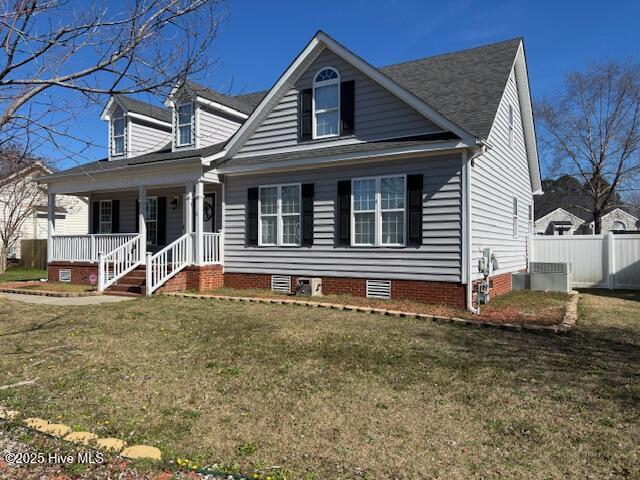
[[188, 208], [51, 224], [142, 223], [199, 224]]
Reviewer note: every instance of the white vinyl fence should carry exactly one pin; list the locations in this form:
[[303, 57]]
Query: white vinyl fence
[[597, 261]]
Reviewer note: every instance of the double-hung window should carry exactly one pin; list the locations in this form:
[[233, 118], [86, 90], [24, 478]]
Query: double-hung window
[[378, 211], [151, 215], [515, 217], [280, 211], [105, 216], [326, 104], [118, 132], [185, 124]]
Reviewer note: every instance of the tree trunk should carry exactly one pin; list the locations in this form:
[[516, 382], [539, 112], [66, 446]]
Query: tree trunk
[[597, 221], [4, 253]]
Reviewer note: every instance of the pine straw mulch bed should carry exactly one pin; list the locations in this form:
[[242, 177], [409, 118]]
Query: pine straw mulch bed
[[516, 307]]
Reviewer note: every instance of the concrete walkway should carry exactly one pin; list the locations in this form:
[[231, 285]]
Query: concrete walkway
[[93, 300]]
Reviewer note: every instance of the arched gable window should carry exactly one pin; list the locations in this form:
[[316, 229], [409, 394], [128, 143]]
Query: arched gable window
[[118, 132], [618, 225], [326, 103]]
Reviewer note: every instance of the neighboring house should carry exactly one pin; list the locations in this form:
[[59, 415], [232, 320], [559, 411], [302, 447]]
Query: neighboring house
[[558, 222], [562, 222], [71, 211], [379, 181]]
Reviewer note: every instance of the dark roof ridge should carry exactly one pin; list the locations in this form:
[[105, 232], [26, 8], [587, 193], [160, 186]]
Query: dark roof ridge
[[455, 52]]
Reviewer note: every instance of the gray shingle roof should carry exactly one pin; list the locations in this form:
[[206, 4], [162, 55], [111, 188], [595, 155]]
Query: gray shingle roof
[[143, 108], [465, 86], [242, 103], [163, 155], [338, 150]]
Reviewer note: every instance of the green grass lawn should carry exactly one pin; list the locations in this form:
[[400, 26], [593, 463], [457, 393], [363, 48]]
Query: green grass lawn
[[19, 274], [332, 394]]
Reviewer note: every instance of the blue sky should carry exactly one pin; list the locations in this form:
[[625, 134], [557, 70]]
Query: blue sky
[[260, 38]]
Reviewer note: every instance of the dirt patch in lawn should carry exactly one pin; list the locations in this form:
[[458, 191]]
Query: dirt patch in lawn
[[517, 307]]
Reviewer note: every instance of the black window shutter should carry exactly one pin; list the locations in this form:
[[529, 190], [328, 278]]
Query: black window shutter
[[115, 216], [343, 222], [95, 217], [304, 114], [347, 107], [414, 209], [137, 223], [307, 214], [162, 221], [251, 230]]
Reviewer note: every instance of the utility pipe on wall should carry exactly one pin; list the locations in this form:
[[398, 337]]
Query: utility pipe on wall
[[476, 152]]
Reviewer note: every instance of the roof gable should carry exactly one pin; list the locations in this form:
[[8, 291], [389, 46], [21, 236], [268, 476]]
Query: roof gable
[[317, 44], [136, 106]]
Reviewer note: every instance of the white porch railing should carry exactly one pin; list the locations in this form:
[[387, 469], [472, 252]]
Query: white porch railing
[[85, 248], [211, 248], [118, 262], [167, 262]]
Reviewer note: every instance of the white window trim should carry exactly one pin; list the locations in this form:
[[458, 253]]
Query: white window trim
[[515, 211], [191, 124], [278, 215], [124, 135], [155, 227], [324, 83], [511, 121], [378, 213], [100, 222]]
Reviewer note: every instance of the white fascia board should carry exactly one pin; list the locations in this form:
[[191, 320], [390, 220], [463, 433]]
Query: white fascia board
[[221, 107], [105, 112], [145, 118], [528, 125], [345, 158]]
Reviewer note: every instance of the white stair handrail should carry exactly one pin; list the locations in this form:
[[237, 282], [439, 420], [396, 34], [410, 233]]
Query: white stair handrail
[[118, 262], [168, 262]]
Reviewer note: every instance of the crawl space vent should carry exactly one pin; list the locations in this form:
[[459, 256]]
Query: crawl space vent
[[281, 283], [379, 289], [64, 275]]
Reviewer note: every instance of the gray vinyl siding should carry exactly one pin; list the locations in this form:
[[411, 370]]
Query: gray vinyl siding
[[439, 257], [378, 113], [214, 127], [146, 138], [497, 176], [175, 218]]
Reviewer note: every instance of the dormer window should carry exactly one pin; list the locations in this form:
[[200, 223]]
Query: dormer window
[[326, 104], [118, 132], [184, 124]]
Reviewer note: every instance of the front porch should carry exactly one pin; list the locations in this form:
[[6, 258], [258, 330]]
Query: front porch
[[170, 243]]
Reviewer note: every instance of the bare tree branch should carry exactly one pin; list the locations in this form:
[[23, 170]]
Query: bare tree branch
[[593, 131]]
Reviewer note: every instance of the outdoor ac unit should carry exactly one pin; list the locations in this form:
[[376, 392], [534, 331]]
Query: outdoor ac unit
[[309, 286]]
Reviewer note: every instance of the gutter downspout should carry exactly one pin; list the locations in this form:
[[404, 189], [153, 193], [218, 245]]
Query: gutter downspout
[[482, 148]]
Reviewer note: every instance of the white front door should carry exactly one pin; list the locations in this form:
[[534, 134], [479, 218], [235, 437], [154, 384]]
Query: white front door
[[209, 213]]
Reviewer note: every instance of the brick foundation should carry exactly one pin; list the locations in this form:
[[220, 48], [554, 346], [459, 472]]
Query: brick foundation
[[498, 285], [80, 271], [448, 293], [200, 279]]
